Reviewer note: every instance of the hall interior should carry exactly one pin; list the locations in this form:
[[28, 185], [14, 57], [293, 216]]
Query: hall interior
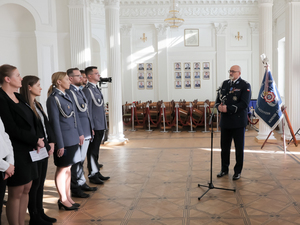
[[155, 177]]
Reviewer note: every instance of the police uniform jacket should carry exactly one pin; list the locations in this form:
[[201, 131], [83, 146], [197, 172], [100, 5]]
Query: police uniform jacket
[[236, 97], [95, 106], [67, 128], [80, 101]]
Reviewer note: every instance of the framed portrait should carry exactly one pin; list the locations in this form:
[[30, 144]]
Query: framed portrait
[[206, 65], [197, 65], [149, 66], [149, 76], [187, 84], [177, 84], [191, 37], [149, 85], [141, 85], [177, 66], [187, 75], [197, 84], [141, 75], [197, 75], [187, 65], [177, 75], [206, 75], [140, 66]]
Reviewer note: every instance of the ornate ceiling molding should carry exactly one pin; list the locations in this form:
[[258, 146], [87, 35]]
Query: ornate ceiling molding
[[265, 1], [181, 2]]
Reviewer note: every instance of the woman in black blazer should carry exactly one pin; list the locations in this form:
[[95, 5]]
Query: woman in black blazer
[[31, 88], [21, 125]]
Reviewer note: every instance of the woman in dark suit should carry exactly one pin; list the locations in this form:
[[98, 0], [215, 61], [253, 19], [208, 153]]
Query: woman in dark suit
[[64, 122], [31, 88], [21, 125]]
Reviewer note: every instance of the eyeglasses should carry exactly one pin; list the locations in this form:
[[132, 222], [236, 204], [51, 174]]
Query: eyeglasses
[[232, 71]]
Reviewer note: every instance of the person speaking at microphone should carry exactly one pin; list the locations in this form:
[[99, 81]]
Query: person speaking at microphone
[[232, 102]]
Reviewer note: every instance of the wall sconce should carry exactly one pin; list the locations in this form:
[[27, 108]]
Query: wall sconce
[[144, 38], [239, 37]]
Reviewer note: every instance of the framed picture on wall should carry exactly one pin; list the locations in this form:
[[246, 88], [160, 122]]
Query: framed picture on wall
[[206, 75], [149, 76], [187, 66], [141, 85], [177, 66], [187, 75], [191, 37], [177, 84], [197, 84], [140, 66], [148, 66], [187, 84], [177, 75], [197, 75], [141, 75], [149, 85], [206, 65], [197, 65]]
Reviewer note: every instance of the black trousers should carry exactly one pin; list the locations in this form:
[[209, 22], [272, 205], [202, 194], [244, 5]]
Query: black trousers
[[2, 191], [35, 203], [93, 153], [238, 136]]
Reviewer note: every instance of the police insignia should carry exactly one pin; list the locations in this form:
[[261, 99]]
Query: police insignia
[[234, 98]]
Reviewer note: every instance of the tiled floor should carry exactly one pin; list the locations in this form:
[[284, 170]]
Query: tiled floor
[[155, 177]]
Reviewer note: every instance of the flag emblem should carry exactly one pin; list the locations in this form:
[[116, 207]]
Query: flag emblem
[[269, 97]]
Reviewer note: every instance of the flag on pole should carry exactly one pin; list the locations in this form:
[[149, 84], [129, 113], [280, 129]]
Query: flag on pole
[[268, 105]]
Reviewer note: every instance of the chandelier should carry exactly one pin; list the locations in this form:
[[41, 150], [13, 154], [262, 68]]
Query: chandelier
[[173, 20]]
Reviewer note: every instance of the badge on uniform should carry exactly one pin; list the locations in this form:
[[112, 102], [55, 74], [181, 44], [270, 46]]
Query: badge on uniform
[[68, 107], [82, 105], [234, 98]]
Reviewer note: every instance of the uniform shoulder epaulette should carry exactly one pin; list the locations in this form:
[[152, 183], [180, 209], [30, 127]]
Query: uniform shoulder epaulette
[[53, 93]]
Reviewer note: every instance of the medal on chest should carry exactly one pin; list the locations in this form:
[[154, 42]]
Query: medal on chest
[[234, 98]]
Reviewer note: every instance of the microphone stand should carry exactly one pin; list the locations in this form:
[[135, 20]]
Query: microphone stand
[[210, 184]]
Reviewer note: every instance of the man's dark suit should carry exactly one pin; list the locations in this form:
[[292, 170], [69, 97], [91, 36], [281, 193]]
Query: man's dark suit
[[236, 97]]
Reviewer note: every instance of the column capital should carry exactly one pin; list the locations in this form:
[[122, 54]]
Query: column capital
[[76, 2], [220, 28], [254, 27], [125, 29], [265, 2], [161, 28], [112, 3]]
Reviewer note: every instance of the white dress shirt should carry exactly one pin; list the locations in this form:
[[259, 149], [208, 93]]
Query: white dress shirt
[[6, 149]]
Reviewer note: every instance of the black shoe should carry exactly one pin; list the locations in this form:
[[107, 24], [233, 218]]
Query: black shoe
[[102, 177], [76, 205], [236, 176], [222, 173], [100, 165], [47, 218], [95, 179], [80, 194], [36, 219], [61, 205], [86, 187]]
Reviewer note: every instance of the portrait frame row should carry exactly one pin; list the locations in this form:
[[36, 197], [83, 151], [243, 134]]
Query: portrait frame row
[[196, 66], [187, 84], [196, 75], [144, 66], [141, 85], [142, 75]]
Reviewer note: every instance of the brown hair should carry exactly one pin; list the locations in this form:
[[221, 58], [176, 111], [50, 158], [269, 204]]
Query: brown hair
[[24, 90], [55, 77], [5, 71], [71, 71]]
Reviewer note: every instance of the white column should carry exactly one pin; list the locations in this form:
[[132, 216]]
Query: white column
[[161, 79], [126, 60], [221, 53], [255, 60], [115, 136], [80, 33], [265, 46], [292, 59]]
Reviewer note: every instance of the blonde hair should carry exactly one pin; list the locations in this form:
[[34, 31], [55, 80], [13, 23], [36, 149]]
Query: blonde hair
[[55, 77]]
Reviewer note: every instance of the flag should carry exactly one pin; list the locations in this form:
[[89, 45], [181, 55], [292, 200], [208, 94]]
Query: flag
[[268, 105]]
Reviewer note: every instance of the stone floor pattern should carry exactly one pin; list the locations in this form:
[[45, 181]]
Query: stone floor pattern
[[155, 177]]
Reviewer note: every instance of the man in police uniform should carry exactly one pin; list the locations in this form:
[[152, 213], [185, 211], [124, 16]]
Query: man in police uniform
[[96, 107], [78, 181], [232, 101]]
